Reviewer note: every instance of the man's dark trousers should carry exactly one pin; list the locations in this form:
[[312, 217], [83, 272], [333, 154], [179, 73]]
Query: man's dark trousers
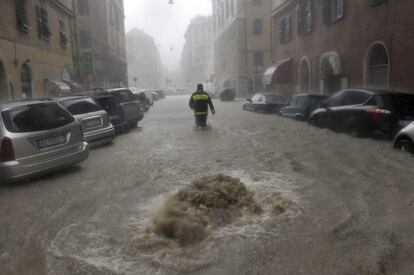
[[201, 120]]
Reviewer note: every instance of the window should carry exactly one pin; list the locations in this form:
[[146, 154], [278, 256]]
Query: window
[[375, 2], [285, 29], [81, 106], [83, 7], [378, 66], [257, 26], [62, 34], [305, 17], [301, 101], [43, 23], [258, 59], [36, 117], [21, 16], [355, 98], [333, 10], [26, 81], [257, 2], [334, 100], [85, 39]]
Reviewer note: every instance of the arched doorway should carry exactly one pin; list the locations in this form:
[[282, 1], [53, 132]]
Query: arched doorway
[[377, 66], [304, 75], [330, 68], [26, 81], [4, 96]]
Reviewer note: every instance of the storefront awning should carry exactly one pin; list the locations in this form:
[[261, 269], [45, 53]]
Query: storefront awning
[[278, 73]]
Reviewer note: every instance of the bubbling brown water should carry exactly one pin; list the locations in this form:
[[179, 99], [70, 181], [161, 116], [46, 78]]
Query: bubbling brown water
[[190, 215]]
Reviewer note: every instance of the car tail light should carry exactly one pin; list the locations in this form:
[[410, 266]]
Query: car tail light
[[6, 151], [377, 112]]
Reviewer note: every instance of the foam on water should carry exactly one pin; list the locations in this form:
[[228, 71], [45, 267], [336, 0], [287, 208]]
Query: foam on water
[[134, 249]]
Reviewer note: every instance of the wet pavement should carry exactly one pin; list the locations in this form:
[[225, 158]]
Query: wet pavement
[[348, 203]]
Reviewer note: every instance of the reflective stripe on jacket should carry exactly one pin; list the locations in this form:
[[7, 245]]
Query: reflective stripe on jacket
[[199, 102]]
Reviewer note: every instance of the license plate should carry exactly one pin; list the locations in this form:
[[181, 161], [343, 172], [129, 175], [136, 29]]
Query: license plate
[[404, 123], [51, 141], [92, 123]]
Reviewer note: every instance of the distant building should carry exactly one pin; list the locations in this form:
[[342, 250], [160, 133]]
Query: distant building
[[242, 44], [328, 45], [35, 48], [144, 63], [197, 63], [101, 55]]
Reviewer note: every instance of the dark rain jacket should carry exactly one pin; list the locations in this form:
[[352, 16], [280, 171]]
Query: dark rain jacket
[[199, 102]]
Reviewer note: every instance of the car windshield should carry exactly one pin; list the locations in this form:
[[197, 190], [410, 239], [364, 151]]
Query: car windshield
[[81, 106], [36, 117]]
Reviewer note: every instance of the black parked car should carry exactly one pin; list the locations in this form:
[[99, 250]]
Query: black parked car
[[227, 95], [144, 101], [301, 106], [130, 105], [265, 102], [111, 105], [365, 111]]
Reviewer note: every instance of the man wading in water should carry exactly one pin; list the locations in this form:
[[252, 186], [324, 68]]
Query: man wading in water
[[199, 102]]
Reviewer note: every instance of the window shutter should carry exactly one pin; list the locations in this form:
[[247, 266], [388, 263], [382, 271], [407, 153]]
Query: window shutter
[[326, 11], [300, 19]]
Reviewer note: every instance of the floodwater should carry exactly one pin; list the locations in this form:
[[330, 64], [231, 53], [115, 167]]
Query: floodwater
[[330, 204]]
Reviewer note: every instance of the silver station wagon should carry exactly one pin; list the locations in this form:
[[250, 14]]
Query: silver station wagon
[[38, 137], [97, 128]]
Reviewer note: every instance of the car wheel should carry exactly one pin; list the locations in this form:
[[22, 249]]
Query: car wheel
[[405, 145]]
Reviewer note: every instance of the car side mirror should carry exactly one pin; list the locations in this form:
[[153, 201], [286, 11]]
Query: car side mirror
[[249, 99], [323, 105]]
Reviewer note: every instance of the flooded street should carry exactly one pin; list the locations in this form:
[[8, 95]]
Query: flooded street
[[331, 204]]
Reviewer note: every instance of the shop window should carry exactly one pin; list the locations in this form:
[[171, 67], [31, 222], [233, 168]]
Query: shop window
[[305, 17], [285, 33], [21, 15], [43, 23]]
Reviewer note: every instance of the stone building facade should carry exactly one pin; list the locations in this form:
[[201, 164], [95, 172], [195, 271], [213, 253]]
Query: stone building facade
[[242, 44], [101, 52], [35, 48], [327, 45], [144, 63], [197, 57]]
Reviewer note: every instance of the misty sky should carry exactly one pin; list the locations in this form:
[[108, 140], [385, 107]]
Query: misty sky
[[165, 23]]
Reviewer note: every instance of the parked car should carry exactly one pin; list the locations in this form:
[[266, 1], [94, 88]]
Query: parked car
[[130, 105], [155, 96], [404, 140], [96, 126], [302, 105], [265, 102], [111, 105], [38, 137], [148, 94], [143, 101], [365, 111], [227, 95], [161, 94]]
